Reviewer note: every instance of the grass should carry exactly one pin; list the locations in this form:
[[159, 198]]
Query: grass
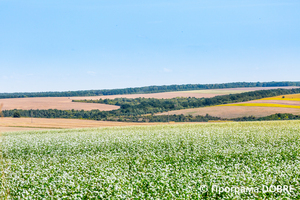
[[262, 105], [153, 162]]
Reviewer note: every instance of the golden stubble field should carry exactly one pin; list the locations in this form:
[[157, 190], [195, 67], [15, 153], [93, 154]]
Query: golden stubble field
[[8, 124], [233, 111]]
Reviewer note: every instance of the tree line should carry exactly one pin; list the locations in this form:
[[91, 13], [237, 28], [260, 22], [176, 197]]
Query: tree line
[[105, 116], [147, 89], [277, 116], [96, 115]]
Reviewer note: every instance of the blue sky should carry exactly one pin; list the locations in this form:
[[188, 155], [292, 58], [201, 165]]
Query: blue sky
[[54, 45]]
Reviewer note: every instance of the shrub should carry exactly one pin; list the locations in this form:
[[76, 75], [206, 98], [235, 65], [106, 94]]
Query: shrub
[[17, 114]]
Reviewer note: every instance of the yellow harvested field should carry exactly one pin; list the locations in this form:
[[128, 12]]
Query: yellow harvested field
[[9, 124], [289, 97], [271, 102], [234, 111], [13, 129], [17, 124]]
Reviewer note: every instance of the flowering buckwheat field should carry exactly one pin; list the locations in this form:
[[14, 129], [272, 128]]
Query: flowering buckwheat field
[[253, 160]]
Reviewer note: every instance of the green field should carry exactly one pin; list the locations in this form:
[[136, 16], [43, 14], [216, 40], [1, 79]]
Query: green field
[[190, 161]]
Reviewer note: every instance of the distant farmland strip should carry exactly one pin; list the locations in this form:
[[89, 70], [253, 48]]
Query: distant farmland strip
[[65, 103], [281, 99], [135, 110], [151, 89]]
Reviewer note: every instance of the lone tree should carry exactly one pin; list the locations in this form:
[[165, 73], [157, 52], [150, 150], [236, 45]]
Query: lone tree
[[1, 114], [17, 114]]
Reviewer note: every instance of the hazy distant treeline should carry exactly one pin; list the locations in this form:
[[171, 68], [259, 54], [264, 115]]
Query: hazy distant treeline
[[147, 89]]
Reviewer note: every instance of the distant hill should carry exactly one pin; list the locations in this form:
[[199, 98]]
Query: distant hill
[[147, 89]]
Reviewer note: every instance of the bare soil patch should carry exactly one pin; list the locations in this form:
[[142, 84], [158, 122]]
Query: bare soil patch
[[294, 103], [59, 103]]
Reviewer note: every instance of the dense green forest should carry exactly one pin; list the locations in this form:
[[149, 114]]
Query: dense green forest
[[104, 116], [147, 89], [142, 109]]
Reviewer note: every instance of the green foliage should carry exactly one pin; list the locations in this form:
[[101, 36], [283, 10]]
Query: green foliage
[[278, 116], [16, 114], [107, 116], [153, 162], [147, 89]]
